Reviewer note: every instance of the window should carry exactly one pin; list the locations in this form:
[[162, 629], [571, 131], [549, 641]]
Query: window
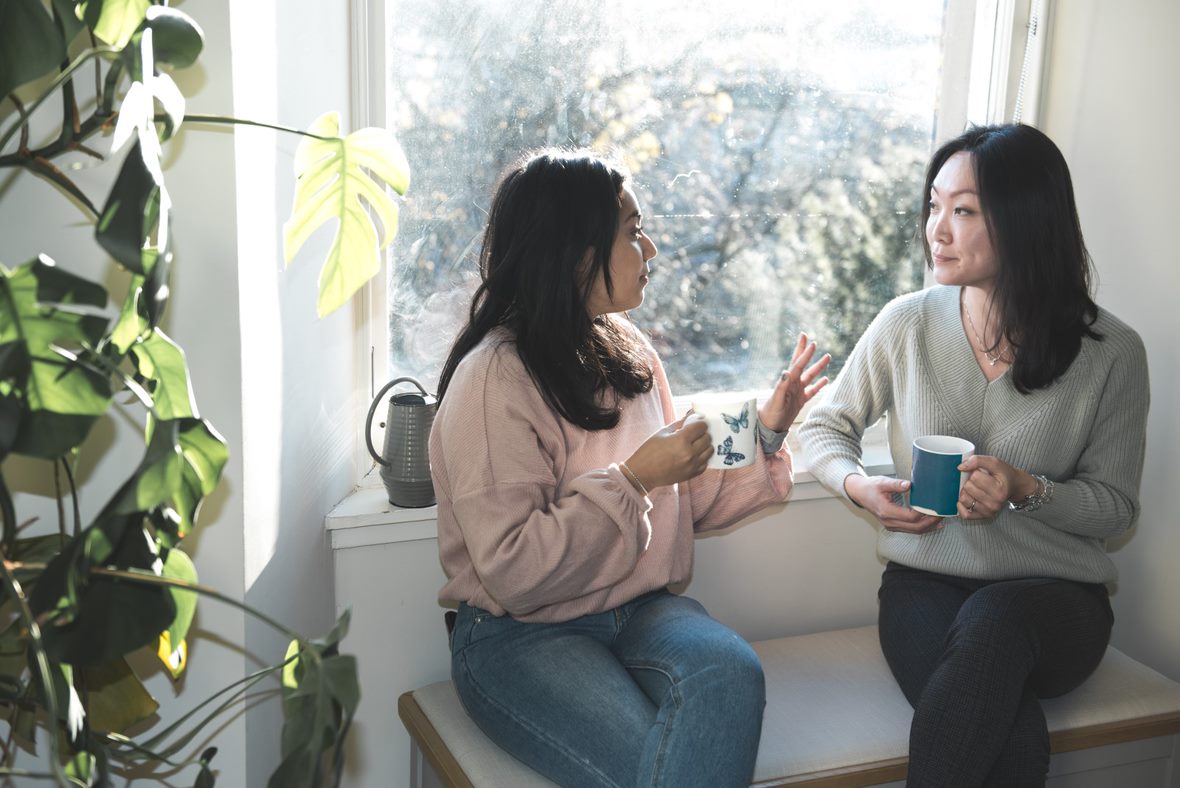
[[777, 148]]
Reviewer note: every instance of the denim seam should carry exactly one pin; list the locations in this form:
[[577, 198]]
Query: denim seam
[[677, 702], [528, 727]]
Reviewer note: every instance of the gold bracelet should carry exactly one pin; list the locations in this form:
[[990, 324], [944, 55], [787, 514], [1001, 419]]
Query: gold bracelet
[[630, 474]]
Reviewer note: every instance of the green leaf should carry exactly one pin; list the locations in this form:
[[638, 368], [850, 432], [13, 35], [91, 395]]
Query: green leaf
[[115, 697], [114, 21], [132, 215], [61, 398], [336, 179], [109, 617], [340, 680], [131, 324], [53, 382], [80, 767], [162, 363], [290, 677], [178, 566], [205, 778], [13, 650], [11, 413], [39, 549], [30, 44], [176, 38], [320, 696], [328, 643], [205, 455], [71, 23]]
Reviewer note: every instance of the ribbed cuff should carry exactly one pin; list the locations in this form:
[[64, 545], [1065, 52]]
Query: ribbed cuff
[[770, 440]]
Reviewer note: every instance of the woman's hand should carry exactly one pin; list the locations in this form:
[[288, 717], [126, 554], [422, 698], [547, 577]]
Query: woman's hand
[[795, 387], [990, 484], [675, 453], [880, 495]]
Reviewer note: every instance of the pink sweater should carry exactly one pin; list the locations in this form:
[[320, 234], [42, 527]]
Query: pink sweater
[[535, 518]]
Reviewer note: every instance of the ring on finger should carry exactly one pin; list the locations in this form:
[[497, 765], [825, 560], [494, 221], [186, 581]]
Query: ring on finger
[[971, 508]]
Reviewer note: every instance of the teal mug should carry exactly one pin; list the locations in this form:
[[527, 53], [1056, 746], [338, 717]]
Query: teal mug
[[935, 479]]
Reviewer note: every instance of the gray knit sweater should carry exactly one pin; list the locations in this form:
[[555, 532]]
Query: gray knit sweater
[[1086, 432]]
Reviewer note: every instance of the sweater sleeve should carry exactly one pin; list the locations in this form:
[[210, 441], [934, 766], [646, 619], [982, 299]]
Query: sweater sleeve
[[861, 394], [1101, 499], [717, 498], [530, 544]]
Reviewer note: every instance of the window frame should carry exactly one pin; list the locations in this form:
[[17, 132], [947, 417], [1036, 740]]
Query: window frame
[[985, 78]]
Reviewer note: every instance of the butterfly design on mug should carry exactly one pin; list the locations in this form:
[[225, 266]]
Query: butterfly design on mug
[[741, 422], [726, 448]]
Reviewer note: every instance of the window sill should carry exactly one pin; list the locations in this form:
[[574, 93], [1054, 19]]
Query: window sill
[[366, 517]]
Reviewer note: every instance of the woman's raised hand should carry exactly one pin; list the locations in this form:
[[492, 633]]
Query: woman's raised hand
[[795, 387], [675, 453]]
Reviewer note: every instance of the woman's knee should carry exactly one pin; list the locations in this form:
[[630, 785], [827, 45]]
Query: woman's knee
[[733, 669], [994, 617]]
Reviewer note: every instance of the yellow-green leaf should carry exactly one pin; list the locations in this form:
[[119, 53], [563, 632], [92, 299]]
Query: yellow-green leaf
[[174, 659], [178, 566], [290, 680], [343, 179], [116, 697], [114, 21]]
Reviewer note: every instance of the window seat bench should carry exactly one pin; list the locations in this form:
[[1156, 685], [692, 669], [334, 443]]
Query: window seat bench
[[835, 718]]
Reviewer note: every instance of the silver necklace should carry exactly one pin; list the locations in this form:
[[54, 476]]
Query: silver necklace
[[992, 358]]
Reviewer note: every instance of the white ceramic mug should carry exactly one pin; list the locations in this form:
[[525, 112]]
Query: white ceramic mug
[[733, 428]]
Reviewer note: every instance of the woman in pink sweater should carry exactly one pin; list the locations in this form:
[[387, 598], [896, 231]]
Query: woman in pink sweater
[[568, 495]]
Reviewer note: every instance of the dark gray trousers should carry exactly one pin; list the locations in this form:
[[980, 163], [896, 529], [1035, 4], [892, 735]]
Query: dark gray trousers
[[973, 657]]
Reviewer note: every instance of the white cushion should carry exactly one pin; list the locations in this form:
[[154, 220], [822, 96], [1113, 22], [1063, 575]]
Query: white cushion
[[831, 703]]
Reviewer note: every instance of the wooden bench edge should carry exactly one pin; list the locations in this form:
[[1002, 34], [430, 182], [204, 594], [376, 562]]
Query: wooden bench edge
[[424, 733], [856, 776], [859, 775], [421, 730], [1100, 735]]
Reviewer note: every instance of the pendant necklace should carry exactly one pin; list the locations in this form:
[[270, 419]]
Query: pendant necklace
[[992, 358]]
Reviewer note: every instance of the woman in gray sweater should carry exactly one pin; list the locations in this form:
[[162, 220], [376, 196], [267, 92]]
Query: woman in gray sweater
[[984, 613]]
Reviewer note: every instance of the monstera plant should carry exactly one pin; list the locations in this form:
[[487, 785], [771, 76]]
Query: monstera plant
[[77, 602]]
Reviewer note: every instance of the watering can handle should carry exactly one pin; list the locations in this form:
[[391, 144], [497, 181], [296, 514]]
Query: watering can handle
[[373, 409]]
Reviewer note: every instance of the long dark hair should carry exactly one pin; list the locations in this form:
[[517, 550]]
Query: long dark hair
[[550, 210], [1042, 290]]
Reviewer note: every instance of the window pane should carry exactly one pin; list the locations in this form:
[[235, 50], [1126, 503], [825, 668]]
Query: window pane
[[777, 150]]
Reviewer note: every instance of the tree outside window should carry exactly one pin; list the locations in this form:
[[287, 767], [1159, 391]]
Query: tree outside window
[[776, 148]]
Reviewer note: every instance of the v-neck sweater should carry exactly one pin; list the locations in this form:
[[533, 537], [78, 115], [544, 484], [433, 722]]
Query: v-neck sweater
[[1086, 431]]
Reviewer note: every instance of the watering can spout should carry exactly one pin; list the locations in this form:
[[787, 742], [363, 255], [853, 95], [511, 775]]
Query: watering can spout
[[405, 461]]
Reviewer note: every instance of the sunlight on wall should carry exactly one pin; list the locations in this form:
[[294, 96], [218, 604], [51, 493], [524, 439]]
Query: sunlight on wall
[[255, 67]]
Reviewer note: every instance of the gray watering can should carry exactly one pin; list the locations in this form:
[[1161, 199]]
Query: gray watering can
[[405, 463]]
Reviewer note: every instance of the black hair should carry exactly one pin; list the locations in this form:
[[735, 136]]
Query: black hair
[[549, 235], [1042, 289]]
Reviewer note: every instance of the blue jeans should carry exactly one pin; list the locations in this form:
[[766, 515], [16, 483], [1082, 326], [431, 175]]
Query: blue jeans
[[973, 657], [652, 693]]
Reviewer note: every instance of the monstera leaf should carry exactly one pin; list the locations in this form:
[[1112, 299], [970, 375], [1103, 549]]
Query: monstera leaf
[[320, 697], [161, 363], [43, 320], [341, 178]]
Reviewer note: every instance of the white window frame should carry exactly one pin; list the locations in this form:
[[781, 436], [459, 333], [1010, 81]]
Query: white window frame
[[994, 51]]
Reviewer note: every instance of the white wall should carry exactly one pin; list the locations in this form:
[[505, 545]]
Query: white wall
[[1112, 106], [290, 65]]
